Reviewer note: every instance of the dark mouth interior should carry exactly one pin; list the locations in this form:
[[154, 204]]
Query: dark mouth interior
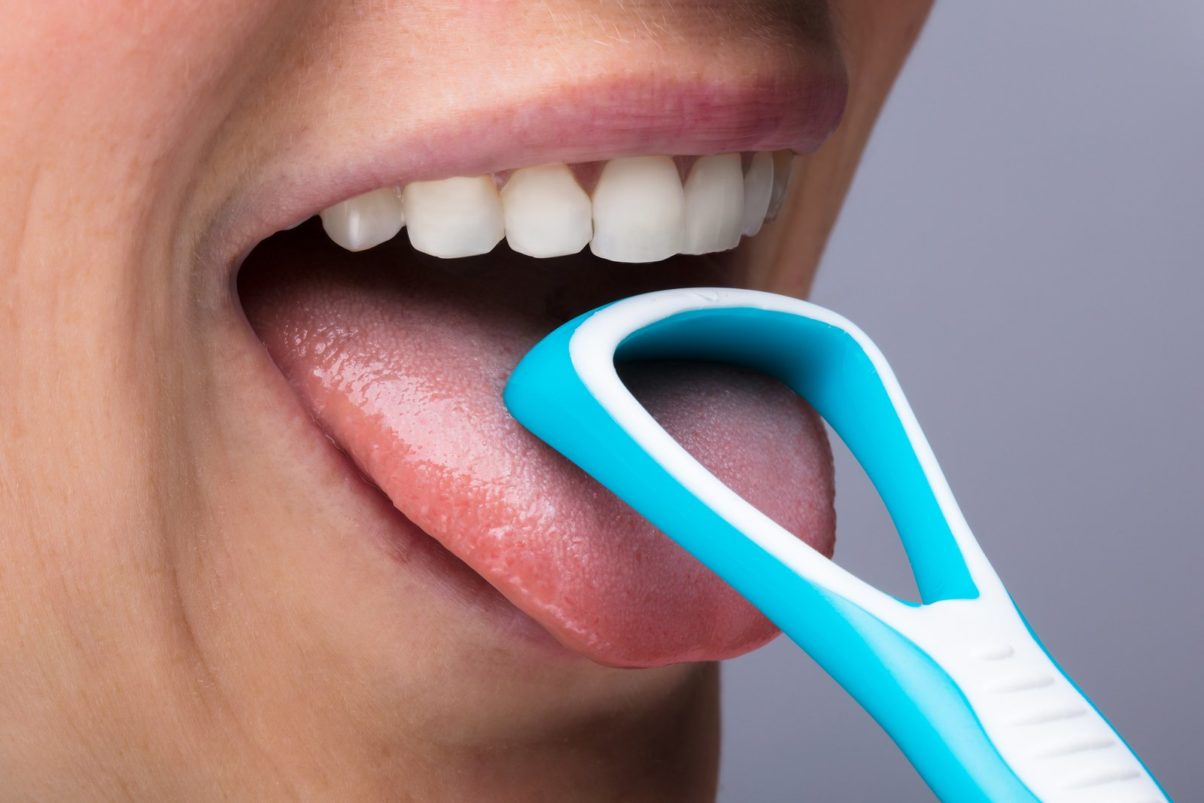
[[561, 287]]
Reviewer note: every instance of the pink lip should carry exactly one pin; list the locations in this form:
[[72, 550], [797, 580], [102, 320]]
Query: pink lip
[[792, 110]]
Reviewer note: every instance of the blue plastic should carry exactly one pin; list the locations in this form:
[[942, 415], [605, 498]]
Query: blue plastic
[[898, 683]]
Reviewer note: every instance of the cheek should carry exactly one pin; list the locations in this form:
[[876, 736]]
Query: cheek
[[131, 74]]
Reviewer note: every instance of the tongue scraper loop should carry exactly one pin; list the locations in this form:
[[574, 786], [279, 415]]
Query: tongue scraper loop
[[960, 682]]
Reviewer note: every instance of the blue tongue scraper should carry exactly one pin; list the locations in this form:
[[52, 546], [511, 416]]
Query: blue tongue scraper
[[960, 682]]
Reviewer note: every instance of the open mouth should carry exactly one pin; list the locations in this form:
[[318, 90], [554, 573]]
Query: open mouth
[[396, 311]]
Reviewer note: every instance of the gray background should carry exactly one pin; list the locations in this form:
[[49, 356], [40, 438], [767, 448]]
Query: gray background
[[1024, 240]]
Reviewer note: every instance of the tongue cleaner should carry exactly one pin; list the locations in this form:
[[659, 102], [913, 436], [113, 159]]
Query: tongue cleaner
[[960, 682]]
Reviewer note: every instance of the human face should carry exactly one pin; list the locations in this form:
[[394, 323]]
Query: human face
[[268, 531]]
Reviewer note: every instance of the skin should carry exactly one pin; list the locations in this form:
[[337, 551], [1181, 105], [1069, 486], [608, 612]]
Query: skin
[[145, 499]]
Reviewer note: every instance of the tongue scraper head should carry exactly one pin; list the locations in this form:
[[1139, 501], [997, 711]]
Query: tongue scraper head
[[959, 682]]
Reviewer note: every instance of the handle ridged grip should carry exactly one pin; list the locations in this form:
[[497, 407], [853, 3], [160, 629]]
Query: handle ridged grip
[[1049, 734]]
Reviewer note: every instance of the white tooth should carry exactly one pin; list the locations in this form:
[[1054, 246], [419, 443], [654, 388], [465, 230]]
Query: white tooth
[[758, 186], [714, 204], [783, 167], [639, 210], [547, 213], [454, 217], [365, 221]]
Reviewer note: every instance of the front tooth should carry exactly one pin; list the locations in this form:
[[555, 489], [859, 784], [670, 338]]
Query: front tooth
[[547, 213], [365, 221], [639, 210], [714, 204], [783, 168], [758, 187], [454, 217]]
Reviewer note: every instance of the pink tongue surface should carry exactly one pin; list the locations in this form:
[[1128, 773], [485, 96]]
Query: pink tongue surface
[[403, 362]]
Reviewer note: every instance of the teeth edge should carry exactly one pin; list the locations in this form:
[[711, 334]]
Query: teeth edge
[[454, 217], [546, 212], [641, 210]]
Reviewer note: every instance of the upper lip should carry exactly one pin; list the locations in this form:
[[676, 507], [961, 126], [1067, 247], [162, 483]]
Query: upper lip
[[795, 109]]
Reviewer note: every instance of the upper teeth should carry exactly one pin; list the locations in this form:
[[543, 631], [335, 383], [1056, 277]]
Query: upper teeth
[[640, 210], [714, 204], [365, 221], [455, 217], [547, 213], [758, 187]]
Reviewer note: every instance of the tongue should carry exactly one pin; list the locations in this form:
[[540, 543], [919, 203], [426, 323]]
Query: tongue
[[403, 361]]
